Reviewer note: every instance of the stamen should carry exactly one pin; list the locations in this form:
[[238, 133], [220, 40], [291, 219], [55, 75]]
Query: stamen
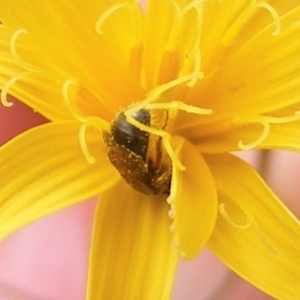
[[8, 85], [265, 121], [156, 92], [250, 224], [68, 103], [82, 141], [108, 12], [12, 44], [174, 36], [195, 52], [193, 60], [90, 122], [13, 51], [178, 105], [274, 15], [171, 153], [235, 29], [137, 20], [260, 139], [197, 65], [226, 216]]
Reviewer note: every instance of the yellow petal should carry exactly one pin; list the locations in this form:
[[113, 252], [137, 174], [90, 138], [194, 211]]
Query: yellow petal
[[43, 170], [259, 77], [247, 17], [159, 13], [96, 65], [281, 136], [262, 75], [131, 256], [41, 93], [194, 203], [255, 234]]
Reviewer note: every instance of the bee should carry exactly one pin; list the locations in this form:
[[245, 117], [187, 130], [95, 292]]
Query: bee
[[138, 155]]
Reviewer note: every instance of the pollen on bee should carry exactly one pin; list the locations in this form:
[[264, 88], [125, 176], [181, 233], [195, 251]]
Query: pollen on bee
[[138, 155]]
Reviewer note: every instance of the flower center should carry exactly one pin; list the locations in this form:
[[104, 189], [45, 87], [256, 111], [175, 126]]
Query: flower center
[[139, 140], [138, 155]]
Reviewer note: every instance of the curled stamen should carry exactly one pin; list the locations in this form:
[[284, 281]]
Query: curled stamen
[[265, 121], [13, 51], [235, 29], [12, 44], [8, 85], [65, 93], [137, 21], [260, 139], [229, 219], [250, 224], [274, 15], [108, 12], [90, 122]]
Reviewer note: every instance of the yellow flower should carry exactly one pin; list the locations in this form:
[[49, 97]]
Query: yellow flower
[[187, 81]]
